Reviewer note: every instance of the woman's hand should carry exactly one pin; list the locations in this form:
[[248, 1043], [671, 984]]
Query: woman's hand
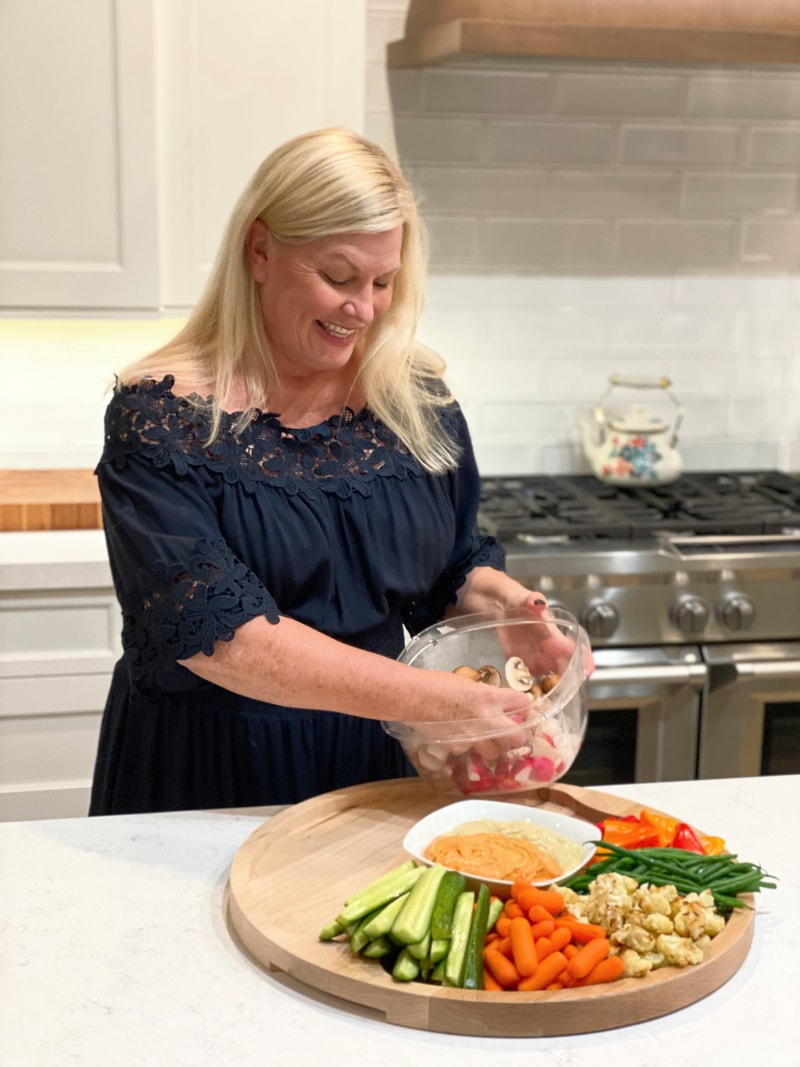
[[544, 649]]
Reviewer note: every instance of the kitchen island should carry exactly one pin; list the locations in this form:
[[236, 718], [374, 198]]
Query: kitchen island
[[116, 951]]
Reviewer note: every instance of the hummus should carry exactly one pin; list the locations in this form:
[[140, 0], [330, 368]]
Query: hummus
[[504, 851]]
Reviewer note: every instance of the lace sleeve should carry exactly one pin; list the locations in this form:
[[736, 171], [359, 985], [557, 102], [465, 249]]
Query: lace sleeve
[[192, 606], [180, 585]]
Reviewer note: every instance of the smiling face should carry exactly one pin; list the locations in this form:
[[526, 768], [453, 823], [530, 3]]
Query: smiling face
[[319, 298]]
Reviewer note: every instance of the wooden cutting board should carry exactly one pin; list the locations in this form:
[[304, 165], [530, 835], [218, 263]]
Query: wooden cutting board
[[49, 500], [294, 873]]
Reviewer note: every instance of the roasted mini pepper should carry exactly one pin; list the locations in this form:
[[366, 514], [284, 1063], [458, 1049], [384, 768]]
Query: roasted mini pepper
[[687, 839], [629, 834], [663, 824]]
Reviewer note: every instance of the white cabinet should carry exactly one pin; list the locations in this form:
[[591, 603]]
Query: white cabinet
[[235, 81], [129, 128], [77, 166], [59, 640]]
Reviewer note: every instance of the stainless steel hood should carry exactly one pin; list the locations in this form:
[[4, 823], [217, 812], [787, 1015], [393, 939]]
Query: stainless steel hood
[[676, 31]]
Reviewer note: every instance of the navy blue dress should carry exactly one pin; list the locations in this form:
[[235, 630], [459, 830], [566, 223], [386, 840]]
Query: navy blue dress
[[336, 526]]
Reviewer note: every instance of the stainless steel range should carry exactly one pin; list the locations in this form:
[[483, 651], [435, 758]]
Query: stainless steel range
[[691, 596]]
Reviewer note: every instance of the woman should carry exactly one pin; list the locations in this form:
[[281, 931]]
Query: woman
[[286, 485]]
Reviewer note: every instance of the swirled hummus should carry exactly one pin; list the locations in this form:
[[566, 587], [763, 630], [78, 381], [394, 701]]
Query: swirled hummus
[[505, 851]]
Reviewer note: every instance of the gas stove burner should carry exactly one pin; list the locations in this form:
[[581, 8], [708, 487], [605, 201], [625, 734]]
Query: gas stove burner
[[582, 508]]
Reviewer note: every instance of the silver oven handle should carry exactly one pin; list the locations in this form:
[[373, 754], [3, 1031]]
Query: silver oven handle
[[665, 674], [775, 669]]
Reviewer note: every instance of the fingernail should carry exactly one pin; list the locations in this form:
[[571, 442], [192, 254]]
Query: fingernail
[[539, 602]]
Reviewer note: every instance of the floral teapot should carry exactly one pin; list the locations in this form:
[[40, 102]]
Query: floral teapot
[[637, 447]]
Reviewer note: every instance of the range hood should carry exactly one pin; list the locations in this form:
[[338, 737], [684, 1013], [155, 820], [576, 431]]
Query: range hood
[[676, 31]]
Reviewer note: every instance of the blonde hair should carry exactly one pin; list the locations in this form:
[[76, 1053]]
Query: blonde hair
[[321, 183]]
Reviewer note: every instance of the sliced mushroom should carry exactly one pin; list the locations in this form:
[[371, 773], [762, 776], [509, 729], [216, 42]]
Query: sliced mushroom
[[472, 673], [550, 681], [517, 674], [490, 675]]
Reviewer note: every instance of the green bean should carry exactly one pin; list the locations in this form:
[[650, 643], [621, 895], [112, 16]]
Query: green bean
[[689, 872]]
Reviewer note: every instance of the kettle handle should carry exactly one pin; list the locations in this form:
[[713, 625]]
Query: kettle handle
[[634, 382]]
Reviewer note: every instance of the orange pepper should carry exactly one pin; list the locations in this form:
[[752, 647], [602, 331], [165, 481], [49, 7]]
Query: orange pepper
[[628, 834], [712, 846], [663, 825]]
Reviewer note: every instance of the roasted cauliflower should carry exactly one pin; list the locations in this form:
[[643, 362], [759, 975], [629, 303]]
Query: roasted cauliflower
[[648, 926]]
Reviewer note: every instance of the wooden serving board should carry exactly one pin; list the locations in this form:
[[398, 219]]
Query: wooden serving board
[[293, 874]]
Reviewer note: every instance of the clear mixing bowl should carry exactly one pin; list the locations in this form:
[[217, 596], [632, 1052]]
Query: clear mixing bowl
[[520, 753]]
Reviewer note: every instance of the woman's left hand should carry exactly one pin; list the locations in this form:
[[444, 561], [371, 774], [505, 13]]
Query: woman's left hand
[[544, 649]]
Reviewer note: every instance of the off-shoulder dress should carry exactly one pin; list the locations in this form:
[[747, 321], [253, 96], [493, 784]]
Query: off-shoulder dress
[[335, 525]]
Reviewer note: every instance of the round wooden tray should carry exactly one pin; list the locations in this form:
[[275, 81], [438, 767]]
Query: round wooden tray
[[293, 874]]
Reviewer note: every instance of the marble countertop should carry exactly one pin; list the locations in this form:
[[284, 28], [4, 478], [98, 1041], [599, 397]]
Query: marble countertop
[[115, 951]]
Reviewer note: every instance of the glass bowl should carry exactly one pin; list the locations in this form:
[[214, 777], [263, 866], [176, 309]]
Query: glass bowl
[[505, 754]]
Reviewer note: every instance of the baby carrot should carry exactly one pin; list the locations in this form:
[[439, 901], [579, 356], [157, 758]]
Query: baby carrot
[[503, 944], [512, 909], [592, 953], [549, 899], [519, 885], [503, 925], [581, 931], [570, 950], [523, 950], [544, 928], [501, 968], [491, 984], [558, 940], [548, 970], [607, 970], [538, 914]]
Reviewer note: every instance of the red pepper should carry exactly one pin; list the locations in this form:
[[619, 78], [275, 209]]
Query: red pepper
[[687, 839]]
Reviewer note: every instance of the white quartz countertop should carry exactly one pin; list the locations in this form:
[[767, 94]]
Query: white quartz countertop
[[115, 951], [53, 559]]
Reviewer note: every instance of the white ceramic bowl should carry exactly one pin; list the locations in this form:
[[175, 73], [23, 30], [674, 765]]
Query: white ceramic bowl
[[446, 819]]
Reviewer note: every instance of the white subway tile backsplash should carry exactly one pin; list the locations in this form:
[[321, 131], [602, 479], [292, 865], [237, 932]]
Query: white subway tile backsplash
[[453, 242], [482, 91], [559, 244], [620, 93], [744, 94], [609, 193], [741, 194], [680, 145], [770, 240], [676, 329], [774, 146], [727, 454], [539, 330], [469, 189], [674, 243], [441, 140], [550, 142], [742, 292]]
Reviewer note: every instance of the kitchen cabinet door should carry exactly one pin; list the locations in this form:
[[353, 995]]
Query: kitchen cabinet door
[[77, 167], [235, 81]]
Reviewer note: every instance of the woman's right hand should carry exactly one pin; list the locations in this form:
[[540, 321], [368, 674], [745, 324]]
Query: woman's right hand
[[456, 714]]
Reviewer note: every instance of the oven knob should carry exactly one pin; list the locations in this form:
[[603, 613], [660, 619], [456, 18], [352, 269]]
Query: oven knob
[[600, 619], [737, 612], [691, 615]]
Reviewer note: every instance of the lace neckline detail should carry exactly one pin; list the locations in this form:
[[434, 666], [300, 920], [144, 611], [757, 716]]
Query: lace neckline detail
[[343, 454]]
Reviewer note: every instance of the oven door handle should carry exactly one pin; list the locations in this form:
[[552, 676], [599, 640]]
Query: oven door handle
[[694, 674], [774, 669]]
